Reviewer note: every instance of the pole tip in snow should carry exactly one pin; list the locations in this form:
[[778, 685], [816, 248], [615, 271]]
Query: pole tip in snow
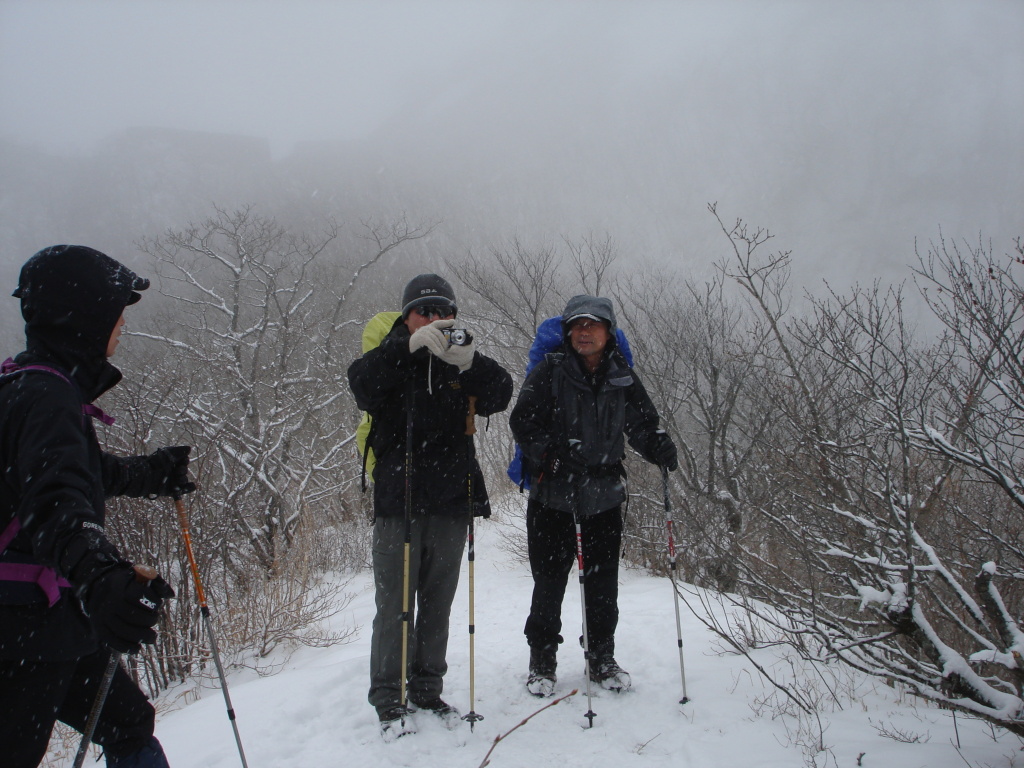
[[473, 718], [590, 718], [684, 700]]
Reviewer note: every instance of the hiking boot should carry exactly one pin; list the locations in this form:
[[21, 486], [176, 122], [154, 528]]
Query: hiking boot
[[395, 722], [448, 714], [607, 673], [541, 681], [150, 756]]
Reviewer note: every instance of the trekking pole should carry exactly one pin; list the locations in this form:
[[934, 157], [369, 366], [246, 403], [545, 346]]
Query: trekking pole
[[97, 707], [142, 573], [472, 715], [672, 574], [204, 609], [583, 603], [407, 545]]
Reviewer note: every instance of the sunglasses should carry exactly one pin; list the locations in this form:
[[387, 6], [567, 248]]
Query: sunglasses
[[440, 312]]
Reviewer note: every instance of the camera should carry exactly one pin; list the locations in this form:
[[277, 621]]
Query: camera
[[458, 337]]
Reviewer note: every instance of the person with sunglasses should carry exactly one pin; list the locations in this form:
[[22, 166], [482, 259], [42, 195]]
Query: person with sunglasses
[[418, 386]]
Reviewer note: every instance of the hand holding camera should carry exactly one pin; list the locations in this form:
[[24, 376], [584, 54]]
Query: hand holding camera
[[452, 345], [432, 337], [460, 348]]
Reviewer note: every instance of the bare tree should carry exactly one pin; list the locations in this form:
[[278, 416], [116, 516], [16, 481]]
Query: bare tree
[[242, 363], [876, 465]]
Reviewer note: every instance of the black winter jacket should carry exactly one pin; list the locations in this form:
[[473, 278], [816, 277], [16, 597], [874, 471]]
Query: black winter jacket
[[562, 402], [55, 477], [390, 383]]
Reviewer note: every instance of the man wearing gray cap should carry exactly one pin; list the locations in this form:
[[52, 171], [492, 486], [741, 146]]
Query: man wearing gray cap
[[570, 418], [418, 386]]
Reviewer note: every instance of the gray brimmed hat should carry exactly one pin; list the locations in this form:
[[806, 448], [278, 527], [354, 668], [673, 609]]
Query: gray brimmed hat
[[594, 307]]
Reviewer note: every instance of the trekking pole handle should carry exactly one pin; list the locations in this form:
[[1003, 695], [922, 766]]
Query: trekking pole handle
[[144, 573]]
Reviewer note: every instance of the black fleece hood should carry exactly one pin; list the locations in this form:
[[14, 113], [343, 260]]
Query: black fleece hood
[[71, 297]]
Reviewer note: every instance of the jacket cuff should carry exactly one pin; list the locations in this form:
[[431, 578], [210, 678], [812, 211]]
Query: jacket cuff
[[88, 555]]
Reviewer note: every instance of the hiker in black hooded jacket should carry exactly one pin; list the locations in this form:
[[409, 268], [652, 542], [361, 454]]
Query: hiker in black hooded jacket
[[574, 413], [416, 379], [67, 596]]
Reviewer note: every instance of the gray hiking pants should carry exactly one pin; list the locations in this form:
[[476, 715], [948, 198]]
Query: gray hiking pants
[[435, 556]]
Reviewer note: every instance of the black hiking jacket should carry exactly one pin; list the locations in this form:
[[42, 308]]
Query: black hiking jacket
[[562, 402], [391, 384], [55, 476]]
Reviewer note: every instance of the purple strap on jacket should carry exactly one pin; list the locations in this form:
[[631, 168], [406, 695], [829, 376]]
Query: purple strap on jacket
[[88, 409], [46, 578]]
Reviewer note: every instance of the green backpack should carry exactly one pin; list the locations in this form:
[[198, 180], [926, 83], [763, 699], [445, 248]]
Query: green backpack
[[373, 334]]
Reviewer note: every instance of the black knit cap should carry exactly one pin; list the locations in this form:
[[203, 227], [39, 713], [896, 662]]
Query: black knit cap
[[427, 291]]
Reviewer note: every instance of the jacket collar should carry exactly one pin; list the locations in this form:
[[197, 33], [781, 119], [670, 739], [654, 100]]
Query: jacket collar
[[93, 377]]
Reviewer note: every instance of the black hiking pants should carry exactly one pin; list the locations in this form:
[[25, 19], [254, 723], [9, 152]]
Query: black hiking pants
[[34, 695], [551, 540]]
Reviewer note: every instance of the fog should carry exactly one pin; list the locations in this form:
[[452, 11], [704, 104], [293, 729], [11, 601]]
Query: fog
[[849, 129]]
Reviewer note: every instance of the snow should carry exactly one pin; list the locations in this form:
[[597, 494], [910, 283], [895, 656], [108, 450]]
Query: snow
[[314, 711]]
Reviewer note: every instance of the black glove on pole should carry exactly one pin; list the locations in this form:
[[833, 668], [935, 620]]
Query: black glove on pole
[[142, 574], [123, 603], [663, 451], [171, 467]]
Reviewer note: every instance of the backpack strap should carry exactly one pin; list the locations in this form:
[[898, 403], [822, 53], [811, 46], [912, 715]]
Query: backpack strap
[[9, 367], [9, 533], [46, 578]]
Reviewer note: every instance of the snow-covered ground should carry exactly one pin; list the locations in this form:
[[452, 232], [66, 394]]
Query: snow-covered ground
[[314, 711]]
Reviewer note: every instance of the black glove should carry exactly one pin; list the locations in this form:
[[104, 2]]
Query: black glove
[[124, 607], [567, 458], [662, 451], [170, 467]]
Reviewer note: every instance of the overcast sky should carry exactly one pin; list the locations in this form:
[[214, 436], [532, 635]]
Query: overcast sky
[[822, 119], [71, 72]]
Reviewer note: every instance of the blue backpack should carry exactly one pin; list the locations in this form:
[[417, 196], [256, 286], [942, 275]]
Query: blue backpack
[[548, 339]]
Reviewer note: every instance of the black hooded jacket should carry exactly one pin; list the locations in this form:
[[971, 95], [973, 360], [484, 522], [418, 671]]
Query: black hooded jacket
[[55, 476], [391, 383]]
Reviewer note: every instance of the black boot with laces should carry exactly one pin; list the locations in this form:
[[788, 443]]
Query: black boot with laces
[[541, 682], [605, 671]]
